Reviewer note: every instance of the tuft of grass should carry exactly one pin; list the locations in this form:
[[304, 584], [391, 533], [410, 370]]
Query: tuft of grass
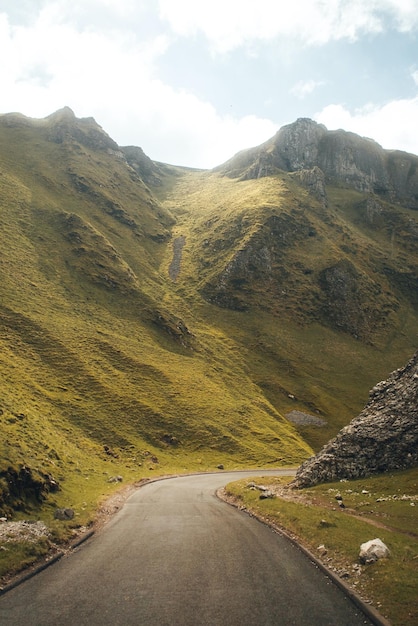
[[15, 556], [382, 506]]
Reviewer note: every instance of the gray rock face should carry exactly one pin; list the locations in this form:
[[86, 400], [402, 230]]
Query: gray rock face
[[149, 171], [343, 157], [373, 550], [314, 181], [384, 437], [299, 144]]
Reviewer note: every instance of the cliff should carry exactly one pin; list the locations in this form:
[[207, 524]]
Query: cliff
[[344, 158], [384, 437]]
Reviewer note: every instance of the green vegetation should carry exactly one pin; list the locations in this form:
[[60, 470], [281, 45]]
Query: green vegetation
[[383, 506], [18, 555], [110, 368]]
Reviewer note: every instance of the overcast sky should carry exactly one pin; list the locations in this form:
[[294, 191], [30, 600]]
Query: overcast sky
[[192, 81]]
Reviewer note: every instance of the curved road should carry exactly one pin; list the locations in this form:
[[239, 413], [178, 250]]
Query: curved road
[[176, 555]]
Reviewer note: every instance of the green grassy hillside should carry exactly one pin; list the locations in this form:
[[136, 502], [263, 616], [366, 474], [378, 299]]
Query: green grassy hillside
[[124, 353], [319, 300], [105, 369]]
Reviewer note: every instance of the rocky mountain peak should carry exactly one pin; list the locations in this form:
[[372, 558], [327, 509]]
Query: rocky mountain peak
[[298, 144], [66, 113], [344, 158], [64, 127], [384, 437]]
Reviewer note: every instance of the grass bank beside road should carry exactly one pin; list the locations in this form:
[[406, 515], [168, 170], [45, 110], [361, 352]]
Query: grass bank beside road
[[385, 506]]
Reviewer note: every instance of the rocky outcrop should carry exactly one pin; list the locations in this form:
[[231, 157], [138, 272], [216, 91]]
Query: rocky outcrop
[[64, 127], [258, 261], [149, 171], [344, 158], [384, 437], [314, 181], [24, 487], [350, 300]]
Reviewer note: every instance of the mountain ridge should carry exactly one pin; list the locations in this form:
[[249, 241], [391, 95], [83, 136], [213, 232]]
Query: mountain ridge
[[359, 162]]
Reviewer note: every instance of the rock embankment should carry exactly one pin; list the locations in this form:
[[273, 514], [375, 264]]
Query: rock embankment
[[384, 437]]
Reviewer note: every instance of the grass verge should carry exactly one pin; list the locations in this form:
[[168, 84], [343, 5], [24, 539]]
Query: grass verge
[[385, 506]]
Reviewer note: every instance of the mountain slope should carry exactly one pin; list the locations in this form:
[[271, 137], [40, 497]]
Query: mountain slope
[[317, 298], [163, 318], [103, 370]]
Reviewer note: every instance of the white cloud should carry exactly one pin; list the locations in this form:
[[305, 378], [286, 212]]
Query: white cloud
[[101, 58], [184, 130], [84, 14], [228, 25], [389, 125], [113, 78], [304, 87]]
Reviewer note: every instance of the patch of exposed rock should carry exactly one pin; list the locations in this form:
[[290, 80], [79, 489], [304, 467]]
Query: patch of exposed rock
[[314, 181], [174, 268], [150, 172], [28, 531], [351, 301], [305, 419], [384, 437], [19, 487], [260, 259]]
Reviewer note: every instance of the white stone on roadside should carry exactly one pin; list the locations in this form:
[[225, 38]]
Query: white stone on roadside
[[322, 550], [373, 550]]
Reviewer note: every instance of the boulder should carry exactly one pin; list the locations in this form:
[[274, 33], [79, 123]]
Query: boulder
[[115, 479], [264, 495], [64, 514], [373, 550]]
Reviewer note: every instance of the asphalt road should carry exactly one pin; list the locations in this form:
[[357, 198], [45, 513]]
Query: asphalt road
[[176, 555]]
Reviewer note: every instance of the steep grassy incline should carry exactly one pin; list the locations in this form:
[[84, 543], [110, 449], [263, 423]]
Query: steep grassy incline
[[318, 295], [175, 324], [105, 369]]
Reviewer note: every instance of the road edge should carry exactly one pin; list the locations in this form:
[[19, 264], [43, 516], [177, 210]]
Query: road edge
[[368, 610], [48, 560]]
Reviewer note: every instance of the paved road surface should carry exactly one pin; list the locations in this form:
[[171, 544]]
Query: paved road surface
[[177, 556]]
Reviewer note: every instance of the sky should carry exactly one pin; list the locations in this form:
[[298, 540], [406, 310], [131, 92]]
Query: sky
[[192, 82]]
